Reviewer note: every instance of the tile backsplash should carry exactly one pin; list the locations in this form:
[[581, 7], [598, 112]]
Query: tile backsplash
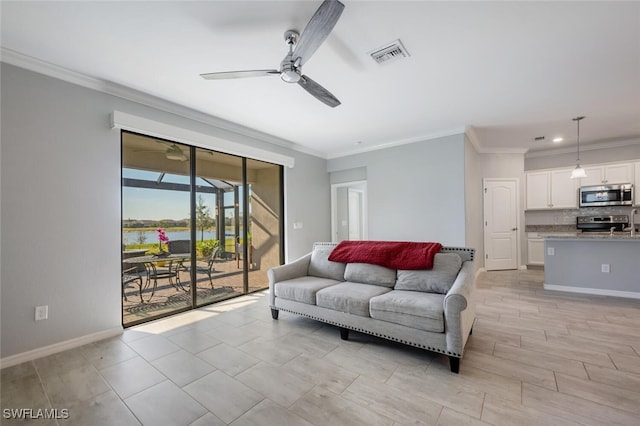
[[568, 217]]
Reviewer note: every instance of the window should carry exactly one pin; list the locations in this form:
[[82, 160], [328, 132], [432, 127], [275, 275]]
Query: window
[[221, 213]]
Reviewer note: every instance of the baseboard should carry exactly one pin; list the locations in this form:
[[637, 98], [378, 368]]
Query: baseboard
[[58, 347], [594, 291]]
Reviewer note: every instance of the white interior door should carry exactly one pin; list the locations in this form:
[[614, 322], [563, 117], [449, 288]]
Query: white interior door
[[501, 224], [355, 214]]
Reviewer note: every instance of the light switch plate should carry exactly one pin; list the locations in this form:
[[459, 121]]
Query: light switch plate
[[551, 251], [606, 268]]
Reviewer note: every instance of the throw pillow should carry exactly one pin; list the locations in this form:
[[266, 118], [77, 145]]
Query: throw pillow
[[370, 274], [437, 280], [321, 266]]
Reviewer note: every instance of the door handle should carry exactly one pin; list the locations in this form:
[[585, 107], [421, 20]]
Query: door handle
[[514, 229]]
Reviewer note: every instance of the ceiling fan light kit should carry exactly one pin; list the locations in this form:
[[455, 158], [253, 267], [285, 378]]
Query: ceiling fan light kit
[[301, 48]]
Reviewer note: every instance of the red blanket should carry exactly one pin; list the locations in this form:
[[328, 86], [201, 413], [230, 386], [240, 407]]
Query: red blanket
[[392, 254]]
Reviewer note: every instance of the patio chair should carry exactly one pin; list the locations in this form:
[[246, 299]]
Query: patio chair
[[209, 269], [154, 273], [131, 275]]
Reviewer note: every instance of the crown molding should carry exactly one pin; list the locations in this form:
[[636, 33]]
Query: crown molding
[[31, 63], [589, 147]]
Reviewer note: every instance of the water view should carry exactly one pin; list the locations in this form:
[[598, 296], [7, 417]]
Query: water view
[[151, 236]]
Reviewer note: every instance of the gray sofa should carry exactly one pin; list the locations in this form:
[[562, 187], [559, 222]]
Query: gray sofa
[[430, 309]]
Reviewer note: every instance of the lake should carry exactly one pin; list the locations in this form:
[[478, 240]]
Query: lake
[[132, 237]]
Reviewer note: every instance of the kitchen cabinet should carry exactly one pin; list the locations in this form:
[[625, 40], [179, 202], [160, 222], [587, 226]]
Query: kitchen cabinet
[[535, 249], [608, 174], [551, 189]]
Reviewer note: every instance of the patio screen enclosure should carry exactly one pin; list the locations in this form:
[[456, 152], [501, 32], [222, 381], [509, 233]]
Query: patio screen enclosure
[[222, 217]]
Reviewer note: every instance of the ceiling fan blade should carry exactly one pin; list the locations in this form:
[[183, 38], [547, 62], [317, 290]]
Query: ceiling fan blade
[[238, 74], [322, 94], [318, 29]]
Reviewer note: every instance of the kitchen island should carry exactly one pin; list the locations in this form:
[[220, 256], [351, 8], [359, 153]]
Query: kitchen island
[[593, 263]]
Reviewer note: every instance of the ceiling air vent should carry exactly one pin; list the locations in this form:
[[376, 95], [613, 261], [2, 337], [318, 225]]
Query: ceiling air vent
[[391, 52]]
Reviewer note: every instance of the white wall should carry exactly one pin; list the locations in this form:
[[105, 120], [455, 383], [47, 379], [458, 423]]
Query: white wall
[[415, 192], [60, 207]]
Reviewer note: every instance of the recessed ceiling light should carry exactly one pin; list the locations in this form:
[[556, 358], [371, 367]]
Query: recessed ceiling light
[[557, 140]]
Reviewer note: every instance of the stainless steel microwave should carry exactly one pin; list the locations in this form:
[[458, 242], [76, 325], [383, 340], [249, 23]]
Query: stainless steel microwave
[[606, 195]]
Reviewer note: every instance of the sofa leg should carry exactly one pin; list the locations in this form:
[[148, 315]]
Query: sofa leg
[[344, 333], [274, 314], [454, 363]]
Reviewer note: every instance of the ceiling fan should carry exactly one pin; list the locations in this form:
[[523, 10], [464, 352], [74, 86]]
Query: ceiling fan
[[301, 47], [173, 151]]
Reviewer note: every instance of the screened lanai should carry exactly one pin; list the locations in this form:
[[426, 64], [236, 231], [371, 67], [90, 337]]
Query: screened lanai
[[197, 198]]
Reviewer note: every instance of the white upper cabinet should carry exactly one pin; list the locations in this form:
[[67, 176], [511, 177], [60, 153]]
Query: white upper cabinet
[[608, 174], [564, 190], [552, 189], [538, 190]]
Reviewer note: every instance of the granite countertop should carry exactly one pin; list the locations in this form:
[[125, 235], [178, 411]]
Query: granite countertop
[[618, 236], [551, 228]]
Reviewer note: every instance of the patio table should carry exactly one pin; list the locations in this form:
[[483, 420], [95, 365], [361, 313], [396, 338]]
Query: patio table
[[149, 261]]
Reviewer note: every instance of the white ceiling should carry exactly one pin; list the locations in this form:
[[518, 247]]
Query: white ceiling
[[510, 71]]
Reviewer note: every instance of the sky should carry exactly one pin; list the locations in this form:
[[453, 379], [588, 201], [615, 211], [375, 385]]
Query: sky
[[155, 204]]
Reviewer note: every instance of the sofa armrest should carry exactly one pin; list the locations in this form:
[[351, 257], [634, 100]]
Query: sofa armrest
[[296, 269], [459, 309]]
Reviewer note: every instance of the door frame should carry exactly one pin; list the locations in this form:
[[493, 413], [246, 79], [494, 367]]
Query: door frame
[[518, 221], [361, 185]]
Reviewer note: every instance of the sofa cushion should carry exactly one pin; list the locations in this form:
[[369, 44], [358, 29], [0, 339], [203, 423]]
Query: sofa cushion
[[321, 266], [302, 289], [370, 274], [352, 298], [437, 280], [424, 311]]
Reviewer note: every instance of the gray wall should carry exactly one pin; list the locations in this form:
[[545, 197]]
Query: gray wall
[[473, 202], [60, 206], [415, 192]]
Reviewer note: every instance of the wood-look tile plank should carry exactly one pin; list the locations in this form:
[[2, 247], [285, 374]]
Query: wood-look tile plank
[[603, 335], [386, 400], [509, 368], [630, 330], [612, 396], [501, 327], [480, 344], [573, 352], [450, 417], [323, 407], [574, 408], [585, 341], [503, 413], [626, 363], [541, 360], [613, 377], [534, 323], [450, 393]]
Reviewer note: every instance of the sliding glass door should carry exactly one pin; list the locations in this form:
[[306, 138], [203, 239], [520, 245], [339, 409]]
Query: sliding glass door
[[198, 226]]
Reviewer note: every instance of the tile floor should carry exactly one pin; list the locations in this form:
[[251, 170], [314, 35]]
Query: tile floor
[[535, 358]]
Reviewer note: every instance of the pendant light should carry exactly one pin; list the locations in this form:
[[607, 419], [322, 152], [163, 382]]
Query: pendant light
[[578, 172]]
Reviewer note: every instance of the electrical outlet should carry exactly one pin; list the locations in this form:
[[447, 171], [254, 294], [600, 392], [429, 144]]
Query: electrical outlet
[[606, 268], [551, 251], [42, 312]]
